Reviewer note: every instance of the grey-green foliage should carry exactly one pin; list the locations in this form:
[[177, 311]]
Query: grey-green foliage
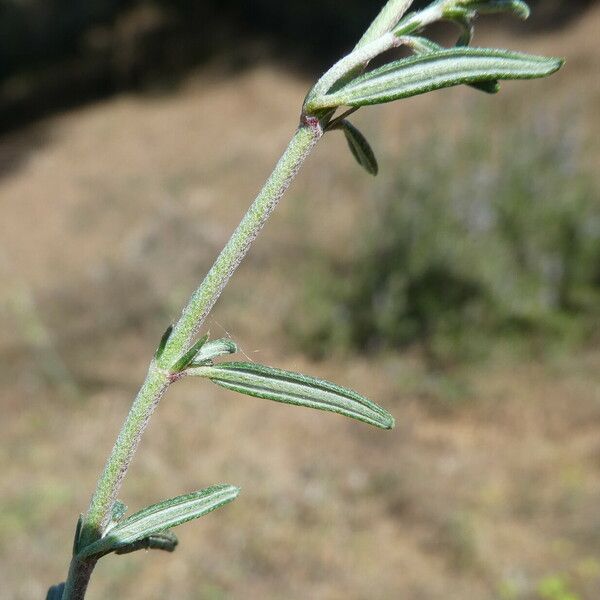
[[142, 529], [351, 83], [288, 387], [360, 148], [435, 70], [181, 352], [469, 240]]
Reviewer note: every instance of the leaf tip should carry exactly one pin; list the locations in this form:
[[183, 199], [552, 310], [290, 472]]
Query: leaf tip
[[554, 64], [230, 491], [163, 342], [360, 148], [77, 535], [212, 350], [388, 421], [521, 10]]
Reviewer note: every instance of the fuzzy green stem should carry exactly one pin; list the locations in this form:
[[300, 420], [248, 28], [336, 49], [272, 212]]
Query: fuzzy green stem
[[108, 486], [432, 13], [351, 63], [204, 298], [159, 375], [376, 40], [386, 20], [110, 481], [78, 578]]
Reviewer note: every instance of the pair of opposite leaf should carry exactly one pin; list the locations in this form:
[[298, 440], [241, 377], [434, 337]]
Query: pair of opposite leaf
[[431, 67], [261, 381], [150, 527]]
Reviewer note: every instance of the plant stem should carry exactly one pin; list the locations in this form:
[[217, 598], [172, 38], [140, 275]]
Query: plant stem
[[78, 578], [351, 63], [159, 375], [385, 21], [376, 40], [203, 299], [109, 483]]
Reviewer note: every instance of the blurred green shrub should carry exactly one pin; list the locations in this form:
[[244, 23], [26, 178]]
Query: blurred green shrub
[[556, 587], [471, 239]]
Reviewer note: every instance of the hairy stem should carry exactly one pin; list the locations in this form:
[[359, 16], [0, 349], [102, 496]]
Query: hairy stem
[[386, 20], [159, 375], [78, 578], [356, 60], [376, 40], [110, 481], [203, 299]]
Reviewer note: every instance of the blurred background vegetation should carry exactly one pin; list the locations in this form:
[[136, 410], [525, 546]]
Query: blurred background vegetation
[[57, 53], [491, 241], [460, 289]]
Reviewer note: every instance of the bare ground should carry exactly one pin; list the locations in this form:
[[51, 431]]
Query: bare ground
[[113, 212]]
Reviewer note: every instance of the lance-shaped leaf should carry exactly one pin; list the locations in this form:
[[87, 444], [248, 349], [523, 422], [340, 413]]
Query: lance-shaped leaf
[[421, 45], [293, 388], [445, 68], [160, 517], [360, 148]]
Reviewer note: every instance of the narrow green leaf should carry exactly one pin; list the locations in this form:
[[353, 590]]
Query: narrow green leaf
[[165, 541], [186, 360], [445, 68], [56, 592], [163, 342], [421, 45], [360, 148], [214, 349], [293, 388], [160, 517]]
